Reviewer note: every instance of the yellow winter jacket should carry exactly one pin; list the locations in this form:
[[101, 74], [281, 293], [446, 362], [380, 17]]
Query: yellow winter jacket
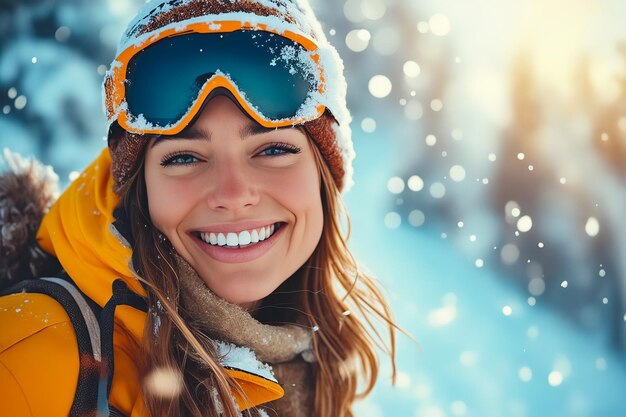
[[39, 360]]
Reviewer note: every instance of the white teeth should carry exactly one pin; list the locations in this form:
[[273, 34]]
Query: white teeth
[[231, 239], [244, 238]]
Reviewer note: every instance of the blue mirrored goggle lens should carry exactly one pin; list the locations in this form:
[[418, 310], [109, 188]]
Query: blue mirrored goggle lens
[[275, 74]]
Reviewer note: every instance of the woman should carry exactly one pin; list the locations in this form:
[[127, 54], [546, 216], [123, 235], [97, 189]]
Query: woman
[[209, 230]]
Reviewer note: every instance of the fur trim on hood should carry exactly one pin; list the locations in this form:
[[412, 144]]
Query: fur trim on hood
[[27, 191]]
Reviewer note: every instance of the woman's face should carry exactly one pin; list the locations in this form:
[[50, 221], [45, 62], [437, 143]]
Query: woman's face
[[241, 203]]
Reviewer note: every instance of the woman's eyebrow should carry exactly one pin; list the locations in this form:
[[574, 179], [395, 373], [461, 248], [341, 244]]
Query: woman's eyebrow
[[192, 133], [257, 129], [198, 133]]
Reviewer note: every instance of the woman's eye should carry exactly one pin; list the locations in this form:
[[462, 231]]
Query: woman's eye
[[277, 149], [179, 159]]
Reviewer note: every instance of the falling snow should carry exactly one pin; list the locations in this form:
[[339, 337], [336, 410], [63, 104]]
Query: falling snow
[[543, 196]]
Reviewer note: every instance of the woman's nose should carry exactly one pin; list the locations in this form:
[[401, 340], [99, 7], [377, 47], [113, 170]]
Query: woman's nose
[[233, 187]]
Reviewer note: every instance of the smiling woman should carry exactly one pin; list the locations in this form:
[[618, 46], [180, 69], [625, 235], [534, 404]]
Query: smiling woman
[[204, 267]]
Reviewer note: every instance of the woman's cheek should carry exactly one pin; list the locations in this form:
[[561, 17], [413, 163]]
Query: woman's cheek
[[169, 201], [302, 180]]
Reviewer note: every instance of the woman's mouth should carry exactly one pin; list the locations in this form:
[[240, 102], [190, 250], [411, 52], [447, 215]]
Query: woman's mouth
[[241, 239], [239, 246]]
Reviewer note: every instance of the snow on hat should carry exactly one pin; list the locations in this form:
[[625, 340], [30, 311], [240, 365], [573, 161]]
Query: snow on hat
[[331, 132]]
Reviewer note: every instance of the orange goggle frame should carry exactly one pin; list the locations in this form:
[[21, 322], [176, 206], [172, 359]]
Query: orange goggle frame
[[115, 83]]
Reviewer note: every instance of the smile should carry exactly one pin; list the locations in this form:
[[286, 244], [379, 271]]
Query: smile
[[242, 239], [231, 247]]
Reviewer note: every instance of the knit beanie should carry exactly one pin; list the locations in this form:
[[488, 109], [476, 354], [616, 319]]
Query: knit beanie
[[330, 132]]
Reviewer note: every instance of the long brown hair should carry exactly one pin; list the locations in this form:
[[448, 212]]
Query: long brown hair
[[342, 305]]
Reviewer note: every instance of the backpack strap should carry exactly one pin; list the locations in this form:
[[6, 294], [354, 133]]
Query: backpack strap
[[122, 295], [93, 326]]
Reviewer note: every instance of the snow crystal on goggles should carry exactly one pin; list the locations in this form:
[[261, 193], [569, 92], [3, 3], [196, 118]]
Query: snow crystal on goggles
[[159, 86]]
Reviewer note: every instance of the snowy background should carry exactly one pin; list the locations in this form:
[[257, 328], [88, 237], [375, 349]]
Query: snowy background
[[490, 178]]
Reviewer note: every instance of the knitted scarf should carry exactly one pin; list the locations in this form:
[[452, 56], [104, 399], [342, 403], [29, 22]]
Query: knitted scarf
[[286, 348]]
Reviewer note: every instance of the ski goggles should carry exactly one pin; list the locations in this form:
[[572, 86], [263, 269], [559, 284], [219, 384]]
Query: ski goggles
[[160, 85]]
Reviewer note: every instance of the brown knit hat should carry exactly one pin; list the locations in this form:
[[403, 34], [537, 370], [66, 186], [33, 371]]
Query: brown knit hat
[[331, 132]]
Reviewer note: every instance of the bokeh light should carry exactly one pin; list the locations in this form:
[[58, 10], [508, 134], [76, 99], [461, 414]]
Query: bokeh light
[[373, 9], [592, 227], [417, 218], [437, 190], [439, 24], [358, 40], [457, 173], [395, 185], [415, 183], [411, 69], [368, 125], [380, 86]]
